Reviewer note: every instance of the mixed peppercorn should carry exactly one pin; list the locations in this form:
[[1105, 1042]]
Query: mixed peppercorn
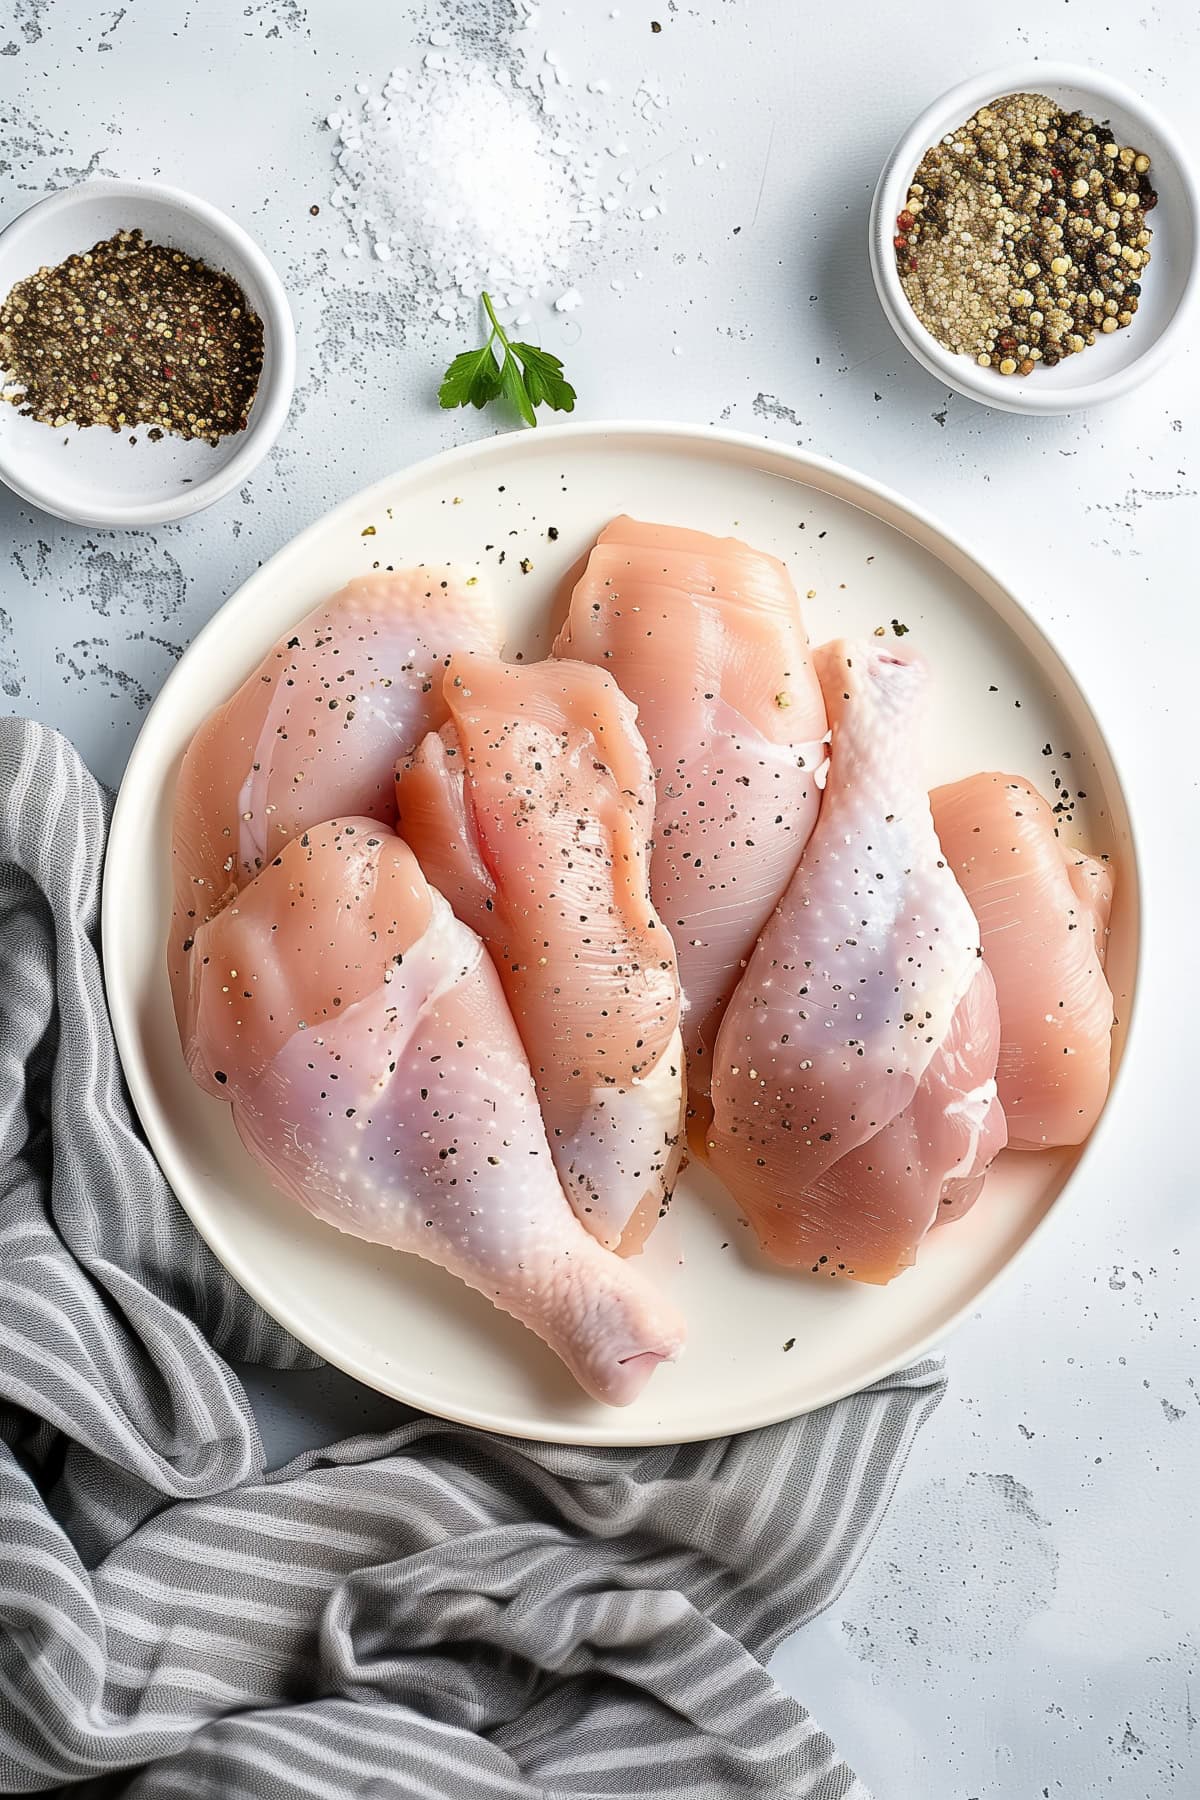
[[131, 333], [1024, 234]]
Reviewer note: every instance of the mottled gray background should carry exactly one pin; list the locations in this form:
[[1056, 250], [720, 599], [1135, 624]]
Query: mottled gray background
[[1028, 1622]]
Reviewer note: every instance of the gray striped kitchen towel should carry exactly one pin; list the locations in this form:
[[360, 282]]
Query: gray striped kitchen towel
[[428, 1613]]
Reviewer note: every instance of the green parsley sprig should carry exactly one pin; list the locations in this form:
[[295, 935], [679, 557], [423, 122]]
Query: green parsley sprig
[[524, 375]]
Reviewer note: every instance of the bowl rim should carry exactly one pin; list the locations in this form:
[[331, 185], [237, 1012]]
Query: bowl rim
[[272, 401], [1007, 393]]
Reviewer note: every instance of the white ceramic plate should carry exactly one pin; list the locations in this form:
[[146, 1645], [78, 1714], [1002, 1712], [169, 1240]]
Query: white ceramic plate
[[407, 1328]]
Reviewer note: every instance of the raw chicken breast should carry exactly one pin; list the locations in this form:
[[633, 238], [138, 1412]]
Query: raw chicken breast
[[1043, 914], [704, 635], [532, 811], [854, 1084], [361, 1035], [313, 732]]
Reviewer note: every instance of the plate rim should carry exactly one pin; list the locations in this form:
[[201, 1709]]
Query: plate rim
[[824, 474]]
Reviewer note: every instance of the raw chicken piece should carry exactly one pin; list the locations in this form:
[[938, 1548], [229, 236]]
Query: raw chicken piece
[[362, 1037], [853, 1079], [313, 732], [927, 1165], [704, 635], [532, 811], [1043, 914]]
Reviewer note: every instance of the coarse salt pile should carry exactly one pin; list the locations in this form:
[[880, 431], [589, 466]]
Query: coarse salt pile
[[459, 180]]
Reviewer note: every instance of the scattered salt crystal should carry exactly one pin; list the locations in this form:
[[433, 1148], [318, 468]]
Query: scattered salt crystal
[[610, 202], [552, 57], [598, 87], [360, 87], [569, 301], [352, 249], [720, 165], [698, 157], [334, 121], [447, 312], [383, 249], [648, 212], [617, 286], [440, 38], [676, 349]]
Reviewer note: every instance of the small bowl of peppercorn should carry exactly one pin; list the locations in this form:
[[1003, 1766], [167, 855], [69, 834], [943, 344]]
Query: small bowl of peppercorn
[[147, 354], [1033, 238]]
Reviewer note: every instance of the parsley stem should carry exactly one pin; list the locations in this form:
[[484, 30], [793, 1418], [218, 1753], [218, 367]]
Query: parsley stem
[[497, 328]]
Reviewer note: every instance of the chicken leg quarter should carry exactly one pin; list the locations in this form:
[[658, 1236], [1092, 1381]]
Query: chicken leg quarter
[[361, 1035], [854, 1075]]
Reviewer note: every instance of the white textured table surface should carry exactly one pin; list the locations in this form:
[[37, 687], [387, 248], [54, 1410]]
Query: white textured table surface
[[1028, 1622]]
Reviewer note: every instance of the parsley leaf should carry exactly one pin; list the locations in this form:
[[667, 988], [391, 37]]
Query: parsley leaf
[[526, 376], [514, 390], [544, 378], [471, 380]]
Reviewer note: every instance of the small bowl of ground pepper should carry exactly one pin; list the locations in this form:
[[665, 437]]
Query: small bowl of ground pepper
[[147, 354], [1034, 238]]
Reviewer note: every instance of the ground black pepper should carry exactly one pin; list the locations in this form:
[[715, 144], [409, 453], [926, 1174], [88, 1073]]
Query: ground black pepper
[[132, 333]]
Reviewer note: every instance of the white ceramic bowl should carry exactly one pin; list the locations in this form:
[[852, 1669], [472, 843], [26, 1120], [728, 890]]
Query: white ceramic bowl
[[95, 476], [1115, 363]]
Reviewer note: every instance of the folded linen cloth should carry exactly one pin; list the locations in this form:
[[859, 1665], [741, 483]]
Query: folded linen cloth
[[431, 1612]]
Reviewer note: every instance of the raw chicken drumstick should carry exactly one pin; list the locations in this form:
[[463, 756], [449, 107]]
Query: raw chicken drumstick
[[314, 731], [1043, 914], [532, 812], [361, 1035], [853, 1080], [704, 635]]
